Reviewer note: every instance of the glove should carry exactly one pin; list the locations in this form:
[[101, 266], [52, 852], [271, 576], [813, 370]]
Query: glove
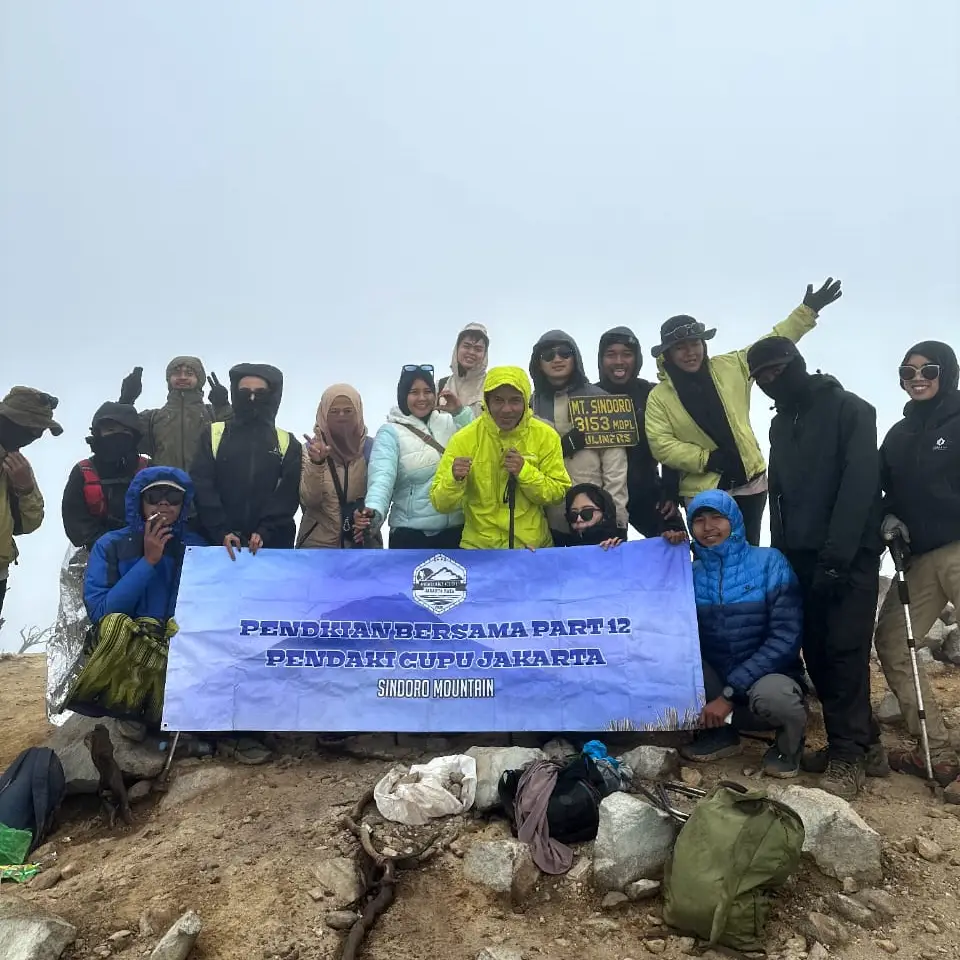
[[817, 300], [716, 462], [829, 579], [572, 442], [893, 528], [218, 395], [132, 386]]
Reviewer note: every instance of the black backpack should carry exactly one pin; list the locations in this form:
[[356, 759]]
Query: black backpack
[[573, 813], [31, 791]]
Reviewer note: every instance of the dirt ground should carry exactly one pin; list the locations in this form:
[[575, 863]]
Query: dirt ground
[[242, 856]]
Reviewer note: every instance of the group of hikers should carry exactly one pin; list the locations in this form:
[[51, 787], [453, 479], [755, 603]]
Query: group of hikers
[[492, 459]]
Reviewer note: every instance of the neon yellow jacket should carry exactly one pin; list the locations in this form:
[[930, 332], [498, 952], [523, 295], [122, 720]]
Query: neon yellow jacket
[[482, 496], [676, 440]]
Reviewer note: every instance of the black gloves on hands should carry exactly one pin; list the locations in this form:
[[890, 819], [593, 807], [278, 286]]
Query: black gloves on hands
[[718, 462], [218, 395], [829, 579], [572, 442], [132, 386], [817, 300]]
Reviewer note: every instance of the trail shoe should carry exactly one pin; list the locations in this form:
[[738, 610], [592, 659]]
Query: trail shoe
[[843, 779], [779, 765], [713, 744], [875, 763], [945, 769]]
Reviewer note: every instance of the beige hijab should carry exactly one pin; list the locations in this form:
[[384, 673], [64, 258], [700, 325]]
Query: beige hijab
[[469, 387], [349, 448]]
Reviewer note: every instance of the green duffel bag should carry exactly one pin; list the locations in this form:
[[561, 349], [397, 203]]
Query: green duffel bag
[[735, 849]]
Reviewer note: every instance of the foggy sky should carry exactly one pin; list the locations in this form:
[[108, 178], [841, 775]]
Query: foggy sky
[[336, 188]]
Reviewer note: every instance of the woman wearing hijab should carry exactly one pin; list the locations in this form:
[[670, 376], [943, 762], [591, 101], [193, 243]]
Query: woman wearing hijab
[[333, 483], [406, 453], [920, 473], [468, 367]]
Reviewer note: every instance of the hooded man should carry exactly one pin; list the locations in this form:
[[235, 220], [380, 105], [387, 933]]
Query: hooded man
[[698, 416], [94, 499], [652, 501], [502, 470], [247, 470], [920, 474], [130, 592], [468, 367], [559, 377], [825, 517], [171, 433], [24, 415]]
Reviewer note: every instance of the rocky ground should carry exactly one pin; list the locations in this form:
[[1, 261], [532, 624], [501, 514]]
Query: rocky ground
[[259, 854]]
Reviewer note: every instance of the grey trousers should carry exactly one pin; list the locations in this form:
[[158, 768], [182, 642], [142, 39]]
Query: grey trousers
[[773, 702]]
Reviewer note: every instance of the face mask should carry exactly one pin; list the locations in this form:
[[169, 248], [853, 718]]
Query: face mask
[[114, 447], [251, 405], [791, 384], [14, 437]]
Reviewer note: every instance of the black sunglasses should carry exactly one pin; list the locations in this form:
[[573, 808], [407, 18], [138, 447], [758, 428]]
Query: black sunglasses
[[564, 353], [156, 495], [417, 367], [586, 514], [929, 371], [689, 331]]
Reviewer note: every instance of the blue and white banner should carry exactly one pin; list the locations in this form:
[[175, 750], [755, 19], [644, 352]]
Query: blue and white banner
[[416, 641]]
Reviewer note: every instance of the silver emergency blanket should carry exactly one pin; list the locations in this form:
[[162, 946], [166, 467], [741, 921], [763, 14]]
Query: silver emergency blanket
[[65, 646]]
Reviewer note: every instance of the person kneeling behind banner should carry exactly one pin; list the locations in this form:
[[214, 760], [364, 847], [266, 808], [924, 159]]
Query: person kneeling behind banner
[[130, 593]]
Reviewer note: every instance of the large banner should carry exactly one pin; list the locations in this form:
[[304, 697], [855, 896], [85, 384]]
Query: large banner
[[415, 641]]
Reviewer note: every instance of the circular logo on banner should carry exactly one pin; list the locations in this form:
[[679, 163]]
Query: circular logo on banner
[[439, 584]]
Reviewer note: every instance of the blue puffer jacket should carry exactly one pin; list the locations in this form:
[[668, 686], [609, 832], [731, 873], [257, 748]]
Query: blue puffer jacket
[[748, 603], [119, 579]]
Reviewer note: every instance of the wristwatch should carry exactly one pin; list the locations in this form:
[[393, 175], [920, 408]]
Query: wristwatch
[[727, 693]]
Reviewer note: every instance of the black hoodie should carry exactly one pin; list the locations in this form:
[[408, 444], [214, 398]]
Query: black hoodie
[[824, 474], [250, 486], [920, 459], [647, 489]]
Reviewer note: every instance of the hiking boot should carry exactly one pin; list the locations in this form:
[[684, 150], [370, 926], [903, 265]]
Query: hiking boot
[[842, 778], [713, 744], [945, 771], [779, 765], [875, 763]]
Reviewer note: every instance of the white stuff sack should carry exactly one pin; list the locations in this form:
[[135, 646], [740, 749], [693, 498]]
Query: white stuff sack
[[440, 788]]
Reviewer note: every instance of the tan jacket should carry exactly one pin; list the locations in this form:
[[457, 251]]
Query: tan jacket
[[30, 506], [320, 522], [606, 469]]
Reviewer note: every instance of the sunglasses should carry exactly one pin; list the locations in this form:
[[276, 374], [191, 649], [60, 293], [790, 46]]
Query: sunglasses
[[689, 331], [156, 495], [551, 353], [929, 371], [417, 367], [586, 514]]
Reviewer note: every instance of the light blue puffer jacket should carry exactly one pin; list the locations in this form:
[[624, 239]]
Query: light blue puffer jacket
[[402, 467]]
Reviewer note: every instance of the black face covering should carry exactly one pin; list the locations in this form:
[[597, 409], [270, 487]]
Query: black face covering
[[252, 406], [114, 448], [791, 386], [14, 437]]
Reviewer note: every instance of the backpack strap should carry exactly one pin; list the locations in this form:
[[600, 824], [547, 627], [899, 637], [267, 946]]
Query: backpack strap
[[93, 490], [283, 442], [367, 448], [427, 438], [45, 806], [216, 435]]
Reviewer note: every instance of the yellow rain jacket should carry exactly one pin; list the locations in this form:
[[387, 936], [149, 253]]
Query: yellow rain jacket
[[482, 496], [676, 440]]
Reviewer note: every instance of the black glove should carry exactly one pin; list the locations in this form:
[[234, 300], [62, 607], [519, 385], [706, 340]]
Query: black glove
[[218, 395], [716, 462], [132, 386], [829, 579], [572, 442], [823, 297]]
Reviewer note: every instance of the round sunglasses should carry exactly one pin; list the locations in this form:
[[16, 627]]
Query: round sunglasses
[[929, 371]]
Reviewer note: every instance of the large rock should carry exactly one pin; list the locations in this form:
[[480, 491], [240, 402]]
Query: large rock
[[888, 710], [950, 648], [652, 763], [28, 933], [633, 842], [178, 941], [503, 866], [137, 761], [339, 881], [491, 764], [191, 784], [840, 842]]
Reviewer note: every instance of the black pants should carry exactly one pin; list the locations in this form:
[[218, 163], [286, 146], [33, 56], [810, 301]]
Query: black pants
[[837, 634], [406, 538], [752, 508], [3, 592]]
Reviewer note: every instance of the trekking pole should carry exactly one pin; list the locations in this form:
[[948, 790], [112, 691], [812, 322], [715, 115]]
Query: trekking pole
[[903, 589], [165, 773], [512, 506]]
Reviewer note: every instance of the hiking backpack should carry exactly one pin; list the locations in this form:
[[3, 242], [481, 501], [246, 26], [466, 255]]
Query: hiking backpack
[[93, 495], [31, 791], [737, 846]]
